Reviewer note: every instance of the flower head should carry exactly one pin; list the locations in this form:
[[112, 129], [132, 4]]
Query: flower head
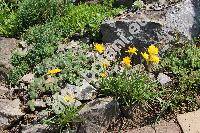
[[105, 63], [53, 71], [69, 98], [145, 56], [152, 50], [104, 74], [127, 61], [99, 48], [154, 59], [132, 50]]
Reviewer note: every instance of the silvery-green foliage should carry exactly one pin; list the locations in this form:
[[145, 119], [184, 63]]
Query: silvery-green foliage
[[73, 63]]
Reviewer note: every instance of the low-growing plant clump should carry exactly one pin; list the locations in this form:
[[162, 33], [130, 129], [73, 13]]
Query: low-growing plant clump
[[183, 63], [44, 37]]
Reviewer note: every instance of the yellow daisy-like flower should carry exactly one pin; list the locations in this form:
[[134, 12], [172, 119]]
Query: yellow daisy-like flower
[[104, 74], [132, 50], [152, 50], [99, 48], [68, 98], [54, 71], [105, 63], [154, 59], [145, 56], [127, 61]]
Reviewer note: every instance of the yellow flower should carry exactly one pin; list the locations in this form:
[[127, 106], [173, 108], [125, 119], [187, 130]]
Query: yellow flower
[[68, 98], [127, 61], [54, 71], [105, 63], [153, 49], [99, 48], [104, 74], [132, 50], [145, 56], [154, 59]]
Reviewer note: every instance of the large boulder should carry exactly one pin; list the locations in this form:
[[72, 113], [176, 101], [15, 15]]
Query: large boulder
[[7, 45], [98, 114], [10, 112], [145, 27]]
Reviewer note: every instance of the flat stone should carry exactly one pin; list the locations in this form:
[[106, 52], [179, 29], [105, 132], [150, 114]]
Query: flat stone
[[28, 78], [190, 122], [161, 127], [38, 128], [10, 110], [98, 114], [3, 91], [163, 78]]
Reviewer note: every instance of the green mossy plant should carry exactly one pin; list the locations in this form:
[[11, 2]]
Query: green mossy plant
[[135, 87], [184, 63]]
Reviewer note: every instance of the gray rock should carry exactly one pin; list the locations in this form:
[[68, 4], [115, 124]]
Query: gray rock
[[39, 103], [146, 27], [3, 91], [42, 115], [28, 78], [7, 45], [83, 92], [161, 127], [38, 128], [10, 111], [163, 79], [62, 47], [23, 48], [98, 114]]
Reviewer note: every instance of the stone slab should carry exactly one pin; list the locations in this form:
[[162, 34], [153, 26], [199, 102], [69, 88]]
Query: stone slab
[[162, 127], [190, 122]]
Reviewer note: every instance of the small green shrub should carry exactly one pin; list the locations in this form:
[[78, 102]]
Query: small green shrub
[[109, 3], [184, 63], [34, 56], [138, 4], [42, 34], [32, 12], [7, 19], [18, 72], [63, 114], [72, 63], [69, 115], [40, 86], [17, 58], [85, 19], [130, 88]]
